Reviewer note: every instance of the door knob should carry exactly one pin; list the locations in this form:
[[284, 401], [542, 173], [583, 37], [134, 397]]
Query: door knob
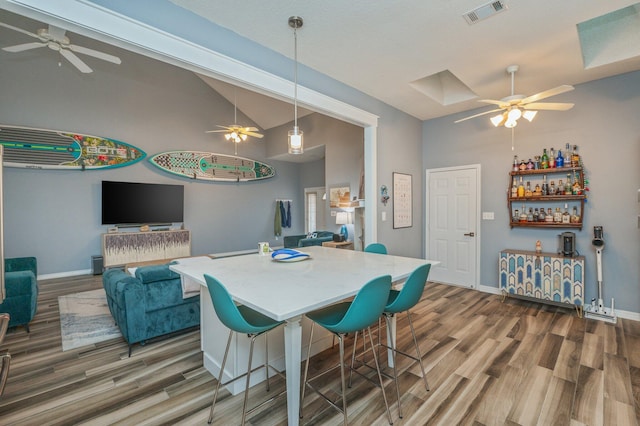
[[470, 234]]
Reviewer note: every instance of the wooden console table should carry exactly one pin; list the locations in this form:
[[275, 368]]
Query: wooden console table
[[543, 276], [129, 247]]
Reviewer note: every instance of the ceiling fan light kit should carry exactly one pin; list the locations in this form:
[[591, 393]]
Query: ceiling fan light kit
[[514, 107], [295, 139]]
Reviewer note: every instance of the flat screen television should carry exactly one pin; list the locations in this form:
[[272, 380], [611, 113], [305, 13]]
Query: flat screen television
[[129, 203]]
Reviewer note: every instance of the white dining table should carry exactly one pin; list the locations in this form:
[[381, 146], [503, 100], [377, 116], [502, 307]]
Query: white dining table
[[285, 291]]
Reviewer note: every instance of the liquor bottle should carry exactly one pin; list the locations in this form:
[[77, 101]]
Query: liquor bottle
[[537, 191], [521, 188], [515, 163], [566, 217], [530, 215], [529, 164], [541, 216], [552, 188], [544, 160], [552, 158], [536, 215], [574, 217], [516, 215], [545, 186], [560, 188], [549, 217], [559, 159], [557, 216], [575, 158], [514, 188], [567, 185], [522, 166], [523, 214], [527, 191], [576, 189]]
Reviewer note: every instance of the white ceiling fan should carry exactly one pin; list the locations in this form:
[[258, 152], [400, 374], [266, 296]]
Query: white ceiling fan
[[515, 106], [55, 39], [235, 132]]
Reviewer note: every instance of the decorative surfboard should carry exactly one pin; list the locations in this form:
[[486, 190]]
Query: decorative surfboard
[[211, 166], [55, 149]]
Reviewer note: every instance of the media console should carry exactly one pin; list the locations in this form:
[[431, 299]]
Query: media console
[[128, 247]]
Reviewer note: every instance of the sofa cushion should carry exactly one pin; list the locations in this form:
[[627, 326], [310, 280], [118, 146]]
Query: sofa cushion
[[155, 273]]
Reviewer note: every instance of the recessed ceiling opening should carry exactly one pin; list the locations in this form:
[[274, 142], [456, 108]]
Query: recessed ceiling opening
[[610, 38], [444, 88]]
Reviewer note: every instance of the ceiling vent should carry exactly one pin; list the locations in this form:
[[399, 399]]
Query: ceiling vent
[[485, 11]]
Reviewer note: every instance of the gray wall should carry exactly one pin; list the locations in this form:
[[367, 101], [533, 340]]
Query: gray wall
[[604, 124]]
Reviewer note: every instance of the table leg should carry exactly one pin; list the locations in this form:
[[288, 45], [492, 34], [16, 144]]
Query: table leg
[[292, 357], [391, 340]]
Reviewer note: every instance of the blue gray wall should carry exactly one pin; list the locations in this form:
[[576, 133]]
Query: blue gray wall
[[604, 124]]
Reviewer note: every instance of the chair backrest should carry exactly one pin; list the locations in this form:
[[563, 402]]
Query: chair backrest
[[412, 290], [376, 248], [366, 307], [226, 309]]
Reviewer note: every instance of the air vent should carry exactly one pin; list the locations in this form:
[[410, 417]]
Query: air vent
[[485, 11]]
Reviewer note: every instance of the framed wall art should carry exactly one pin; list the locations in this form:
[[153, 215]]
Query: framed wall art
[[402, 201]]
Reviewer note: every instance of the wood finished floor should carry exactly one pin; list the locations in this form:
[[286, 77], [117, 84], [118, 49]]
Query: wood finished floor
[[487, 362]]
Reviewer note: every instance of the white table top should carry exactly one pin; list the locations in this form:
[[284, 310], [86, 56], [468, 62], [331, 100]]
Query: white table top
[[285, 290]]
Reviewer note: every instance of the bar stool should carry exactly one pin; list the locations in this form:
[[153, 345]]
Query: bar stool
[[349, 317], [240, 319], [378, 248], [402, 301]]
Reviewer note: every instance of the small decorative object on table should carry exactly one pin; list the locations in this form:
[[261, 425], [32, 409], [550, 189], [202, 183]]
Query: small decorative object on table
[[289, 255], [538, 247]]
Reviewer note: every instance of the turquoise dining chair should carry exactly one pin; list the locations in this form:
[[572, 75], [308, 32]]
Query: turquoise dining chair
[[402, 301], [378, 248], [349, 317], [243, 320]]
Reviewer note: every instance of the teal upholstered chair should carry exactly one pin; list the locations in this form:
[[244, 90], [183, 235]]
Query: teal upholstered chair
[[244, 320], [378, 248], [21, 286], [402, 301], [349, 317]]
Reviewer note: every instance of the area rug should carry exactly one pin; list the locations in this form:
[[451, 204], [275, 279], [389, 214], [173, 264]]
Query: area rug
[[85, 319]]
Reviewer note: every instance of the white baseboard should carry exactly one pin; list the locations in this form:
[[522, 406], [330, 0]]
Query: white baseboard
[[635, 316], [64, 274]]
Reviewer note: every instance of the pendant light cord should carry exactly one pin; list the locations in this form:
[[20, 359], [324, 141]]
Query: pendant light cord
[[295, 76]]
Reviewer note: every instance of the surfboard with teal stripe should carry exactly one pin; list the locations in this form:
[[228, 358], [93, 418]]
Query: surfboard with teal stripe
[[211, 166], [31, 148]]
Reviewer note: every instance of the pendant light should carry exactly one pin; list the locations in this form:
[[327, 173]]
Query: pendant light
[[295, 140]]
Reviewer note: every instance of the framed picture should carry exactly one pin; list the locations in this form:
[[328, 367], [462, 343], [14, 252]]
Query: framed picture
[[339, 196], [402, 201]]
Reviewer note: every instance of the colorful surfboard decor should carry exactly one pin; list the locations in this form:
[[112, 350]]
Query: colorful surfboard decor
[[211, 166], [30, 148]]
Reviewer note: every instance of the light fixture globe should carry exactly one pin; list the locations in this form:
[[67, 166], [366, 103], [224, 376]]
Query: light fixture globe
[[295, 141]]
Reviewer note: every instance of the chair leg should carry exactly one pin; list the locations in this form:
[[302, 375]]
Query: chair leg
[[266, 365], [306, 369], [342, 381], [415, 342], [384, 395], [353, 357], [224, 361], [395, 363], [246, 388]]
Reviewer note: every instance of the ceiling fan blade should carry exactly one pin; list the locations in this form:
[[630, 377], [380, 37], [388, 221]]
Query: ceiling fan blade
[[478, 115], [23, 47], [501, 104], [20, 30], [95, 54], [250, 129], [216, 131], [255, 135], [77, 62], [547, 94], [550, 106]]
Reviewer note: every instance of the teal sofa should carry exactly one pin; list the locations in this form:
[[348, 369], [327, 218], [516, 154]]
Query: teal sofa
[[21, 286], [149, 304], [294, 241]]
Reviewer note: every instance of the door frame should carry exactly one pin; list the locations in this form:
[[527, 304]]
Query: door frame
[[478, 212]]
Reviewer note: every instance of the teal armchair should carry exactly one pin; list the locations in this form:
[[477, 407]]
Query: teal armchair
[[293, 241], [21, 286]]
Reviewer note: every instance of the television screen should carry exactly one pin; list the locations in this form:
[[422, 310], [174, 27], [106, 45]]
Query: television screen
[[128, 203]]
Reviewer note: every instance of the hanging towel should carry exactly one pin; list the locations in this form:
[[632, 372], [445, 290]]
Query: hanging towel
[[288, 214], [283, 214], [277, 222]]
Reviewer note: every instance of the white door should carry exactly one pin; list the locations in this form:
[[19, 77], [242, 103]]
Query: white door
[[452, 224]]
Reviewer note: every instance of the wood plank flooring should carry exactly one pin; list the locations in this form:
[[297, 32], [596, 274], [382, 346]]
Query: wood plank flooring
[[487, 362]]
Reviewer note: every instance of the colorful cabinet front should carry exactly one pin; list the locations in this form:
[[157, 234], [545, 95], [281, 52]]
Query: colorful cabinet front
[[544, 276]]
